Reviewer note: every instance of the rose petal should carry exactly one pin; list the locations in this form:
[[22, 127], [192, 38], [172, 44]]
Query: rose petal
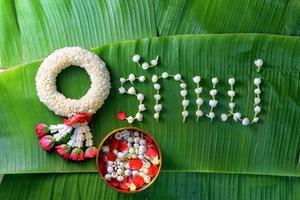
[[136, 164], [152, 152], [114, 182], [113, 144], [138, 181], [102, 156], [111, 156], [124, 184], [102, 166], [121, 115], [122, 145], [148, 139], [153, 170]]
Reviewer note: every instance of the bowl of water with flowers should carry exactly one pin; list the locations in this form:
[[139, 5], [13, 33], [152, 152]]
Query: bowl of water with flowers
[[129, 160]]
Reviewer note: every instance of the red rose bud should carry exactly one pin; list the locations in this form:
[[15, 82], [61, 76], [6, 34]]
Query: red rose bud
[[63, 150], [77, 154], [41, 130], [90, 152], [121, 115], [47, 142]]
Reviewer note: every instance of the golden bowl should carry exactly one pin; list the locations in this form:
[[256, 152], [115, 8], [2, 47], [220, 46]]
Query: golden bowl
[[108, 137]]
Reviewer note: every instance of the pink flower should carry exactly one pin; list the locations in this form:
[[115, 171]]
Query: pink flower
[[41, 130], [91, 152], [47, 142], [63, 150], [77, 154]]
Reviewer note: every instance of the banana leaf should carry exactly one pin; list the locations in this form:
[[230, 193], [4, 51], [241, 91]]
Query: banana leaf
[[270, 147], [224, 16], [30, 30], [169, 185]]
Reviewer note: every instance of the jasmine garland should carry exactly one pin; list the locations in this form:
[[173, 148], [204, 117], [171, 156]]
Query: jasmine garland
[[78, 112], [213, 102]]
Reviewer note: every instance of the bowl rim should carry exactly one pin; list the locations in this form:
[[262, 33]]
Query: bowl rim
[[110, 134]]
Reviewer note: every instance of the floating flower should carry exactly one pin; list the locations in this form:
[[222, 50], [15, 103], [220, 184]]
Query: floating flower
[[77, 154], [136, 164], [124, 185], [153, 170], [47, 142], [138, 181], [112, 156], [64, 151], [152, 152], [41, 130], [132, 187]]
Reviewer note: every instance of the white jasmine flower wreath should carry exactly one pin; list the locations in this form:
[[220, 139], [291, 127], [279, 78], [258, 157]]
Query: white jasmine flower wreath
[[78, 111], [61, 59]]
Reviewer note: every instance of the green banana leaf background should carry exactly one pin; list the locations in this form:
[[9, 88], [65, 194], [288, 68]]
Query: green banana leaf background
[[202, 160]]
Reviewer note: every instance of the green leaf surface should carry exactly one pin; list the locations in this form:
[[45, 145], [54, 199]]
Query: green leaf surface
[[225, 16], [168, 186], [270, 147], [31, 29]]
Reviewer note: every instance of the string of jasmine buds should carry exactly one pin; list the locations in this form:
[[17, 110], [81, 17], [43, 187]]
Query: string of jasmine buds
[[157, 96], [131, 91], [213, 102], [137, 58], [257, 100], [231, 94], [199, 100], [257, 91]]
